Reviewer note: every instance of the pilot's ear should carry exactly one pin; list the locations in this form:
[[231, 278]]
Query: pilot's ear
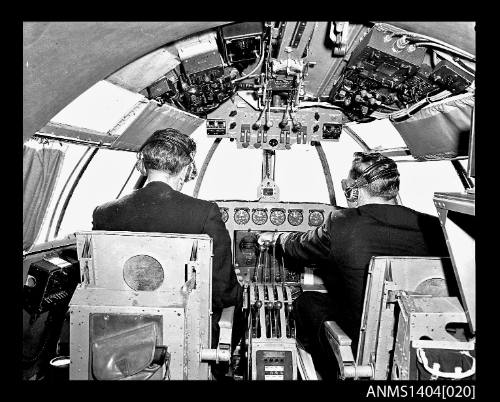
[[139, 165]]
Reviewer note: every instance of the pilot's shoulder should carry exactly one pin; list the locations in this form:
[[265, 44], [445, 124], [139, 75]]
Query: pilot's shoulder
[[342, 213], [110, 205], [427, 219], [193, 202]]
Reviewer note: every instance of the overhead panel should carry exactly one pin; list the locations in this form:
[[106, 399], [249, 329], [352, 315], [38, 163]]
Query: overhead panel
[[295, 39], [324, 67], [155, 118]]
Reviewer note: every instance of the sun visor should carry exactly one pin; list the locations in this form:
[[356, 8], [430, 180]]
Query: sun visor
[[439, 131], [155, 118], [146, 70]]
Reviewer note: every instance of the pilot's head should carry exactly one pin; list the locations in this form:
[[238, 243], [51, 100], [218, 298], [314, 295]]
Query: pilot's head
[[170, 153], [373, 178]]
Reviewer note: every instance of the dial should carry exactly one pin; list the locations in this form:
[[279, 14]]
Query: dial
[[225, 215], [278, 216], [316, 218], [241, 216], [259, 216], [295, 217]]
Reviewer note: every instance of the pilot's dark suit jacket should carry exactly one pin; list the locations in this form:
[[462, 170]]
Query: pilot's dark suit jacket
[[159, 208], [342, 249]]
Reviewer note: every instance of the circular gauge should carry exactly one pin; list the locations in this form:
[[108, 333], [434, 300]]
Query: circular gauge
[[278, 216], [316, 218], [295, 217], [241, 216], [225, 215], [259, 216]]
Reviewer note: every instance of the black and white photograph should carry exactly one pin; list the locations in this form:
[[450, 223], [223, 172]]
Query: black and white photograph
[[256, 201]]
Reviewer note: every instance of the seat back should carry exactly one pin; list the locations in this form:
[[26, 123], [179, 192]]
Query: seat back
[[134, 280], [387, 275]]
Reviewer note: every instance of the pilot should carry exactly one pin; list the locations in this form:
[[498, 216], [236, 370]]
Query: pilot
[[343, 246], [167, 159]]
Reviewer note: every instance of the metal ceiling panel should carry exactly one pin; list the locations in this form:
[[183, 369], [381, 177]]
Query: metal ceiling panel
[[461, 34]]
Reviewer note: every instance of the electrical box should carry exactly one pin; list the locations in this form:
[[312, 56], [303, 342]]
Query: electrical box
[[50, 282]]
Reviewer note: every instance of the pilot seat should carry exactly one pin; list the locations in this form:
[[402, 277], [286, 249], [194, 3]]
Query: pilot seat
[[142, 310], [413, 325]]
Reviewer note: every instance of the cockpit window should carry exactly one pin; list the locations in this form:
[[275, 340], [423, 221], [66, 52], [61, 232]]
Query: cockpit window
[[231, 174], [73, 157], [420, 180], [299, 175], [109, 174], [339, 155]]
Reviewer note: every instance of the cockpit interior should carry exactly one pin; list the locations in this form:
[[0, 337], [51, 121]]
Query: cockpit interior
[[277, 109]]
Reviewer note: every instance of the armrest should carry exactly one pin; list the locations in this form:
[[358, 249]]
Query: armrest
[[337, 333], [341, 346], [226, 328], [223, 351]]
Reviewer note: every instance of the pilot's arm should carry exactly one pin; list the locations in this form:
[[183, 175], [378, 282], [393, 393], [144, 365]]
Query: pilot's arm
[[303, 247], [225, 286]]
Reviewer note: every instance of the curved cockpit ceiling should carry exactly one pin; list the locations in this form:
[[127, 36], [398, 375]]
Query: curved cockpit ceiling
[[64, 59]]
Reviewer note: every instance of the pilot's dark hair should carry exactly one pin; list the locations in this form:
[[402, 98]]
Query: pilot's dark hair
[[168, 150], [382, 178]]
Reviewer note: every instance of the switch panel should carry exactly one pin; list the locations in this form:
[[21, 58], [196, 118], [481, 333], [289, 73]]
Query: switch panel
[[248, 127]]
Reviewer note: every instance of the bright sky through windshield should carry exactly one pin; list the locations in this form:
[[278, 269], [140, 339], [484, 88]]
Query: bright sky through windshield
[[233, 173]]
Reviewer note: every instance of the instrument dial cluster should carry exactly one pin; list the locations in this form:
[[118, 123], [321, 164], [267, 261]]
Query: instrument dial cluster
[[316, 217], [259, 216], [224, 214], [278, 216], [241, 216], [273, 216], [295, 217]]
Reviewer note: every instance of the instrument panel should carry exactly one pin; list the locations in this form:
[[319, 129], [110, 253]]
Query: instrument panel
[[245, 220], [281, 216]]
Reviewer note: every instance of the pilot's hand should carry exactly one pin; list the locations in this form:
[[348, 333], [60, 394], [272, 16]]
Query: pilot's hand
[[267, 238], [238, 276]]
